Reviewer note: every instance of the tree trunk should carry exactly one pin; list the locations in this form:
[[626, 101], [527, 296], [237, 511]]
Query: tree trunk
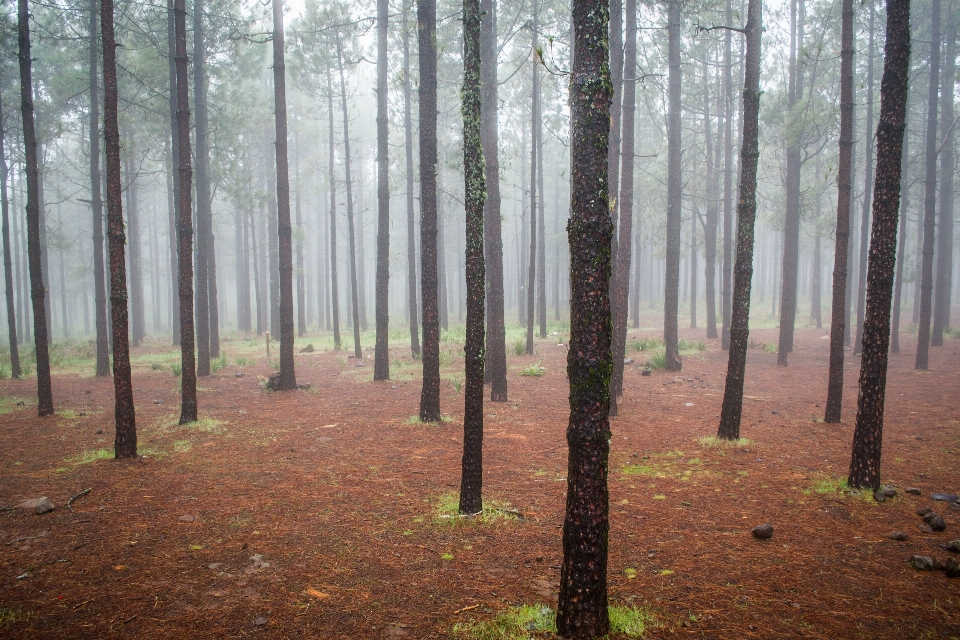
[[351, 233], [15, 371], [868, 435], [901, 243], [125, 442], [524, 230], [257, 286], [671, 298], [712, 222], [243, 269], [426, 30], [381, 357], [137, 324], [726, 275], [694, 219], [541, 236], [615, 31], [471, 479], [582, 606], [732, 407], [302, 306], [534, 148], [288, 377], [37, 293], [334, 281], [188, 375], [621, 264], [637, 272], [867, 189], [839, 306], [201, 291], [441, 260], [791, 222], [212, 307], [944, 254], [930, 193], [411, 221], [815, 284], [96, 203], [496, 352]]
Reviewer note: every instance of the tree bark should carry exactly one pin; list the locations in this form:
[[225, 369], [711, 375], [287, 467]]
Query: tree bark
[[351, 233], [496, 351], [842, 234], [868, 435], [582, 606], [671, 298], [541, 232], [411, 221], [243, 268], [37, 293], [188, 375], [471, 479], [901, 243], [381, 357], [288, 377], [711, 223], [15, 371], [726, 272], [732, 407], [125, 442], [534, 148], [944, 251], [300, 266], [930, 194], [201, 285], [257, 286], [96, 202], [334, 281], [426, 29], [137, 323]]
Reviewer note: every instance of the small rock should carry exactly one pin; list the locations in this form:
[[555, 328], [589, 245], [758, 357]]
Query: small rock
[[888, 491], [260, 621], [925, 528], [952, 546], [188, 518], [952, 567], [899, 536], [924, 511], [361, 364], [879, 496], [939, 565], [39, 506], [307, 349], [913, 491], [935, 521], [214, 566], [645, 372], [921, 563], [304, 387], [238, 374], [945, 497], [273, 382], [628, 361], [99, 431], [775, 413], [763, 532]]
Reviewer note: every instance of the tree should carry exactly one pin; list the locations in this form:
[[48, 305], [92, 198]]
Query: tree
[[495, 369], [173, 184], [929, 194], [137, 325], [726, 273], [944, 251], [201, 263], [732, 407], [842, 247], [713, 209], [381, 357], [901, 243], [15, 371], [125, 443], [582, 606], [671, 298], [426, 31], [37, 293], [868, 435], [471, 481], [411, 222], [96, 203], [334, 281], [288, 377], [188, 370], [534, 148]]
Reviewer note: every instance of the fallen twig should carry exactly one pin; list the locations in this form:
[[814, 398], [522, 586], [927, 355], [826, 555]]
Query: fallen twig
[[42, 535], [79, 495], [470, 608]]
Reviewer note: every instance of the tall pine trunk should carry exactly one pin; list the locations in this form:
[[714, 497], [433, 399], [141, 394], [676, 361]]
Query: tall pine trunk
[[901, 243], [381, 357], [868, 435], [96, 202], [426, 31], [471, 480], [15, 371], [842, 234], [351, 231], [37, 293], [414, 308], [137, 322], [201, 291], [125, 442], [534, 148], [732, 408], [713, 209], [726, 271], [188, 375], [334, 281], [671, 298], [288, 378], [944, 279]]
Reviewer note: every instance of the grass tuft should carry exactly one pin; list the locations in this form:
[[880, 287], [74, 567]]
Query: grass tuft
[[720, 443], [529, 621], [534, 370], [85, 457], [447, 510]]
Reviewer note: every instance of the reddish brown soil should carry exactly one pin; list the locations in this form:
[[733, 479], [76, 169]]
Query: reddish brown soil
[[336, 492]]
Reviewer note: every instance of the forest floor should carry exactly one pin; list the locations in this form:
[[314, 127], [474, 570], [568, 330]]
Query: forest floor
[[330, 512]]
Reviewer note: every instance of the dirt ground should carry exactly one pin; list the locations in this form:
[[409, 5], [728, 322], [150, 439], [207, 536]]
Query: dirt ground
[[316, 513]]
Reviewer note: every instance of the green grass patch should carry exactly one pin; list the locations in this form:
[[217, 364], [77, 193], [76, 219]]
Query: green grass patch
[[206, 425], [657, 361], [447, 511], [644, 344], [531, 621], [518, 347], [671, 464], [218, 363], [92, 455], [827, 484], [13, 403], [720, 443], [534, 370], [9, 616], [182, 446]]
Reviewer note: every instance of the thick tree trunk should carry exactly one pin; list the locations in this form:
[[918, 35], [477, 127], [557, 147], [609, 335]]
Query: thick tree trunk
[[334, 281], [414, 307], [96, 202], [620, 288], [426, 30], [496, 351], [288, 377], [582, 606], [726, 273], [842, 234], [15, 371], [125, 442], [37, 293], [901, 243], [351, 232], [188, 375], [867, 189], [732, 407], [534, 148], [671, 298], [381, 357], [201, 285], [944, 255], [930, 194], [471, 479], [868, 435]]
